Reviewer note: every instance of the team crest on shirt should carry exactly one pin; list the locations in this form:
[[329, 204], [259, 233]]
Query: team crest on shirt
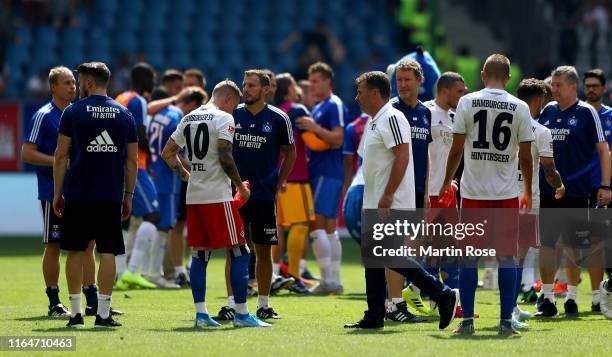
[[572, 121], [267, 128], [425, 120]]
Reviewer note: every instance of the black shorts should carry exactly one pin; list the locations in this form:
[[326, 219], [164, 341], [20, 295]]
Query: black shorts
[[52, 225], [181, 213], [567, 218], [419, 199], [85, 221], [259, 219]]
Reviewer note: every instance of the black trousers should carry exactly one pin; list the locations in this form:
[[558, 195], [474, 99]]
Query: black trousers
[[376, 287]]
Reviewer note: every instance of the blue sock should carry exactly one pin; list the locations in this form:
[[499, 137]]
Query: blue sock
[[507, 289], [197, 274], [519, 280], [453, 278], [239, 275], [468, 282]]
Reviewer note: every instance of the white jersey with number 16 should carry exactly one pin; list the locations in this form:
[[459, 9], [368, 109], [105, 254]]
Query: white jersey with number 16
[[494, 123]]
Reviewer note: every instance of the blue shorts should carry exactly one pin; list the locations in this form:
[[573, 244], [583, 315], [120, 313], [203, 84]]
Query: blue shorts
[[167, 210], [145, 195], [351, 209], [326, 193]]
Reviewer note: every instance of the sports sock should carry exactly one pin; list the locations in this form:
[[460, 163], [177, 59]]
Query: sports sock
[[322, 251], [529, 264], [201, 308], [158, 249], [104, 302], [468, 281], [91, 296], [262, 301], [53, 295], [336, 256], [230, 302], [517, 282], [120, 264], [506, 276], [179, 269], [275, 270], [596, 297], [302, 265], [295, 247], [572, 291], [75, 304], [144, 236], [394, 302], [197, 274], [239, 273], [547, 291]]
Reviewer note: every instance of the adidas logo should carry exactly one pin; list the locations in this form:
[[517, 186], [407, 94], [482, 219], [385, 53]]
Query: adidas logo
[[238, 126], [102, 143], [274, 239]]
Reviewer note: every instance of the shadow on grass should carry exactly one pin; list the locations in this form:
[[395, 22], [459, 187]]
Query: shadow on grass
[[475, 337], [41, 318], [558, 319], [380, 331], [188, 329], [70, 329]]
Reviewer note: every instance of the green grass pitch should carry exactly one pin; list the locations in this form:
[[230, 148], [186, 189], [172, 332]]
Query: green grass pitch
[[160, 322]]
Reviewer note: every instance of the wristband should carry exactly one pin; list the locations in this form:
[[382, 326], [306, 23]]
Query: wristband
[[128, 192], [604, 187]]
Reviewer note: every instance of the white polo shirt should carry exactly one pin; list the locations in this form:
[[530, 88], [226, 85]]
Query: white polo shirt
[[387, 129], [442, 140], [542, 147]]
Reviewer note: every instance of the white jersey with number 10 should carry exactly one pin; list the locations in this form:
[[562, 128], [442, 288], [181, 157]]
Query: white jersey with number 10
[[494, 123], [199, 132]]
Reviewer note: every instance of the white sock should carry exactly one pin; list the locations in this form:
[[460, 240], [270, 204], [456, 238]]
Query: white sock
[[528, 277], [302, 266], [75, 304], [395, 301], [336, 256], [596, 297], [547, 291], [415, 289], [230, 302], [276, 268], [388, 304], [517, 310], [242, 309], [158, 249], [144, 236], [263, 301], [120, 264], [572, 291], [201, 308], [104, 303], [179, 269], [322, 250]]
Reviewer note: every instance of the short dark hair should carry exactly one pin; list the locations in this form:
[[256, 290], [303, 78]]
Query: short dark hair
[[172, 75], [497, 66], [159, 93], [530, 88], [376, 80], [98, 71], [143, 77], [322, 68], [447, 80], [283, 82], [196, 73], [264, 79], [197, 95], [596, 73]]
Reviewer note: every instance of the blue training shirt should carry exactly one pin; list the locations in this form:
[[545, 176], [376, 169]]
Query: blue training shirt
[[575, 132], [605, 115], [42, 130], [162, 125], [330, 114], [419, 119], [100, 129], [257, 143]]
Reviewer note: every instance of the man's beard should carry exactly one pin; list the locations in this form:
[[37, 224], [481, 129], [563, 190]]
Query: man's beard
[[83, 93], [253, 100], [594, 98]]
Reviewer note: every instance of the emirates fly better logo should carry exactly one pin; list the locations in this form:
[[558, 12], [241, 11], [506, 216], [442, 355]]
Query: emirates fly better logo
[[102, 143]]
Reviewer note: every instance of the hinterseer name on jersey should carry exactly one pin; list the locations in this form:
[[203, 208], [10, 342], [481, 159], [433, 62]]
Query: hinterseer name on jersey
[[559, 134], [197, 167], [490, 156], [102, 112], [250, 141], [419, 133], [493, 104]]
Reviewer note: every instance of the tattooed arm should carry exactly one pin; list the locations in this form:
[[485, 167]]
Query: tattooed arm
[[226, 159], [170, 156], [552, 175]]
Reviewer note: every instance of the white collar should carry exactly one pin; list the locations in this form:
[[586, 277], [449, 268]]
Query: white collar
[[382, 111]]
